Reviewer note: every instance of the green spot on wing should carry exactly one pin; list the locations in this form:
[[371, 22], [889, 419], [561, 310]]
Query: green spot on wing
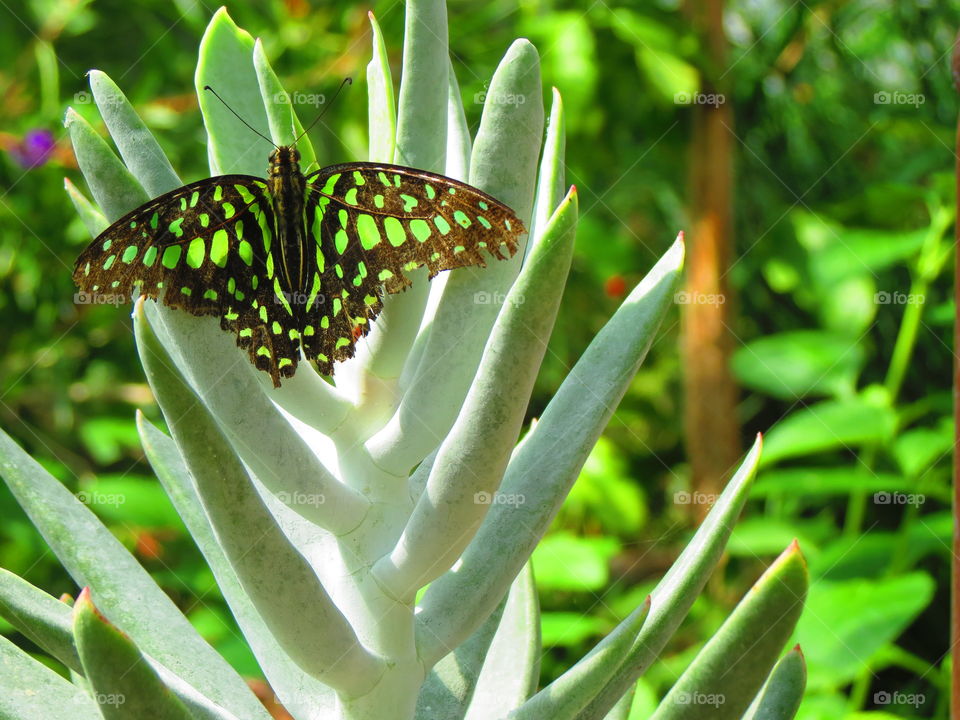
[[368, 231], [245, 250], [421, 231], [340, 241], [196, 252], [219, 247], [442, 225], [171, 256]]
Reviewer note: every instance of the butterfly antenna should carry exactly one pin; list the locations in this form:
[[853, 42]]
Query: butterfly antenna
[[216, 95], [346, 81]]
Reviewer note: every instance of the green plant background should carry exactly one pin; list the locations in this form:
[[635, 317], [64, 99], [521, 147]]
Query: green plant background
[[839, 198]]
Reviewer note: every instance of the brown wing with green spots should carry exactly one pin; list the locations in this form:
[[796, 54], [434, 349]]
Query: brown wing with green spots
[[374, 223], [204, 248], [404, 218], [344, 296]]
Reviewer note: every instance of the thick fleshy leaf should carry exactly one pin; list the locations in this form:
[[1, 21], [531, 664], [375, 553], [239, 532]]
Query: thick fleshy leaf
[[226, 65], [122, 683], [621, 711], [29, 690], [297, 691], [114, 188], [450, 685], [731, 668], [276, 577], [546, 465], [459, 143], [568, 695], [421, 131], [39, 616], [139, 149], [676, 592], [127, 594], [281, 117], [511, 670], [503, 164], [381, 103], [552, 180], [470, 463], [49, 623], [780, 697], [91, 216]]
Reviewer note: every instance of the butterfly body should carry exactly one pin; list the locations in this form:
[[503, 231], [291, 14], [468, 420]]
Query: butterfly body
[[296, 266]]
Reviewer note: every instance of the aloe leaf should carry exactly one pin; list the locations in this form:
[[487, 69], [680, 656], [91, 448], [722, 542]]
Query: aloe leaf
[[95, 558], [123, 685], [39, 616], [621, 711], [422, 102], [421, 131], [780, 697], [91, 216], [511, 670], [139, 149], [49, 623], [450, 685], [552, 180], [381, 103], [504, 164], [681, 585], [281, 117], [459, 144], [568, 695], [472, 458], [30, 690], [730, 669], [295, 689], [114, 188], [226, 65], [546, 465], [277, 578]]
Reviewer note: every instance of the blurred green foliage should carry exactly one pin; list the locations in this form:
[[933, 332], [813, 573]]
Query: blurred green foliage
[[844, 120]]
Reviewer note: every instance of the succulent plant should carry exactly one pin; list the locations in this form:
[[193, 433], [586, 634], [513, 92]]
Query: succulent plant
[[372, 535]]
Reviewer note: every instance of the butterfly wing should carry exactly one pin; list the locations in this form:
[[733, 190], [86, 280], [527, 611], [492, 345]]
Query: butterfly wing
[[375, 222], [204, 248]]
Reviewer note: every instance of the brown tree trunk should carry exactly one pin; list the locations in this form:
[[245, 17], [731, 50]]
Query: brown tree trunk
[[712, 429]]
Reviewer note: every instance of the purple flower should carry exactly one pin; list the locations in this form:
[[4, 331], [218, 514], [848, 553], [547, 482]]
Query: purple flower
[[35, 148]]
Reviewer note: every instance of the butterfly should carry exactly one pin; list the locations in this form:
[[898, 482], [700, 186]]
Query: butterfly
[[296, 266]]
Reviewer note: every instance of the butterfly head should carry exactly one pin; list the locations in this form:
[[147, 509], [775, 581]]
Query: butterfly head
[[285, 156]]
